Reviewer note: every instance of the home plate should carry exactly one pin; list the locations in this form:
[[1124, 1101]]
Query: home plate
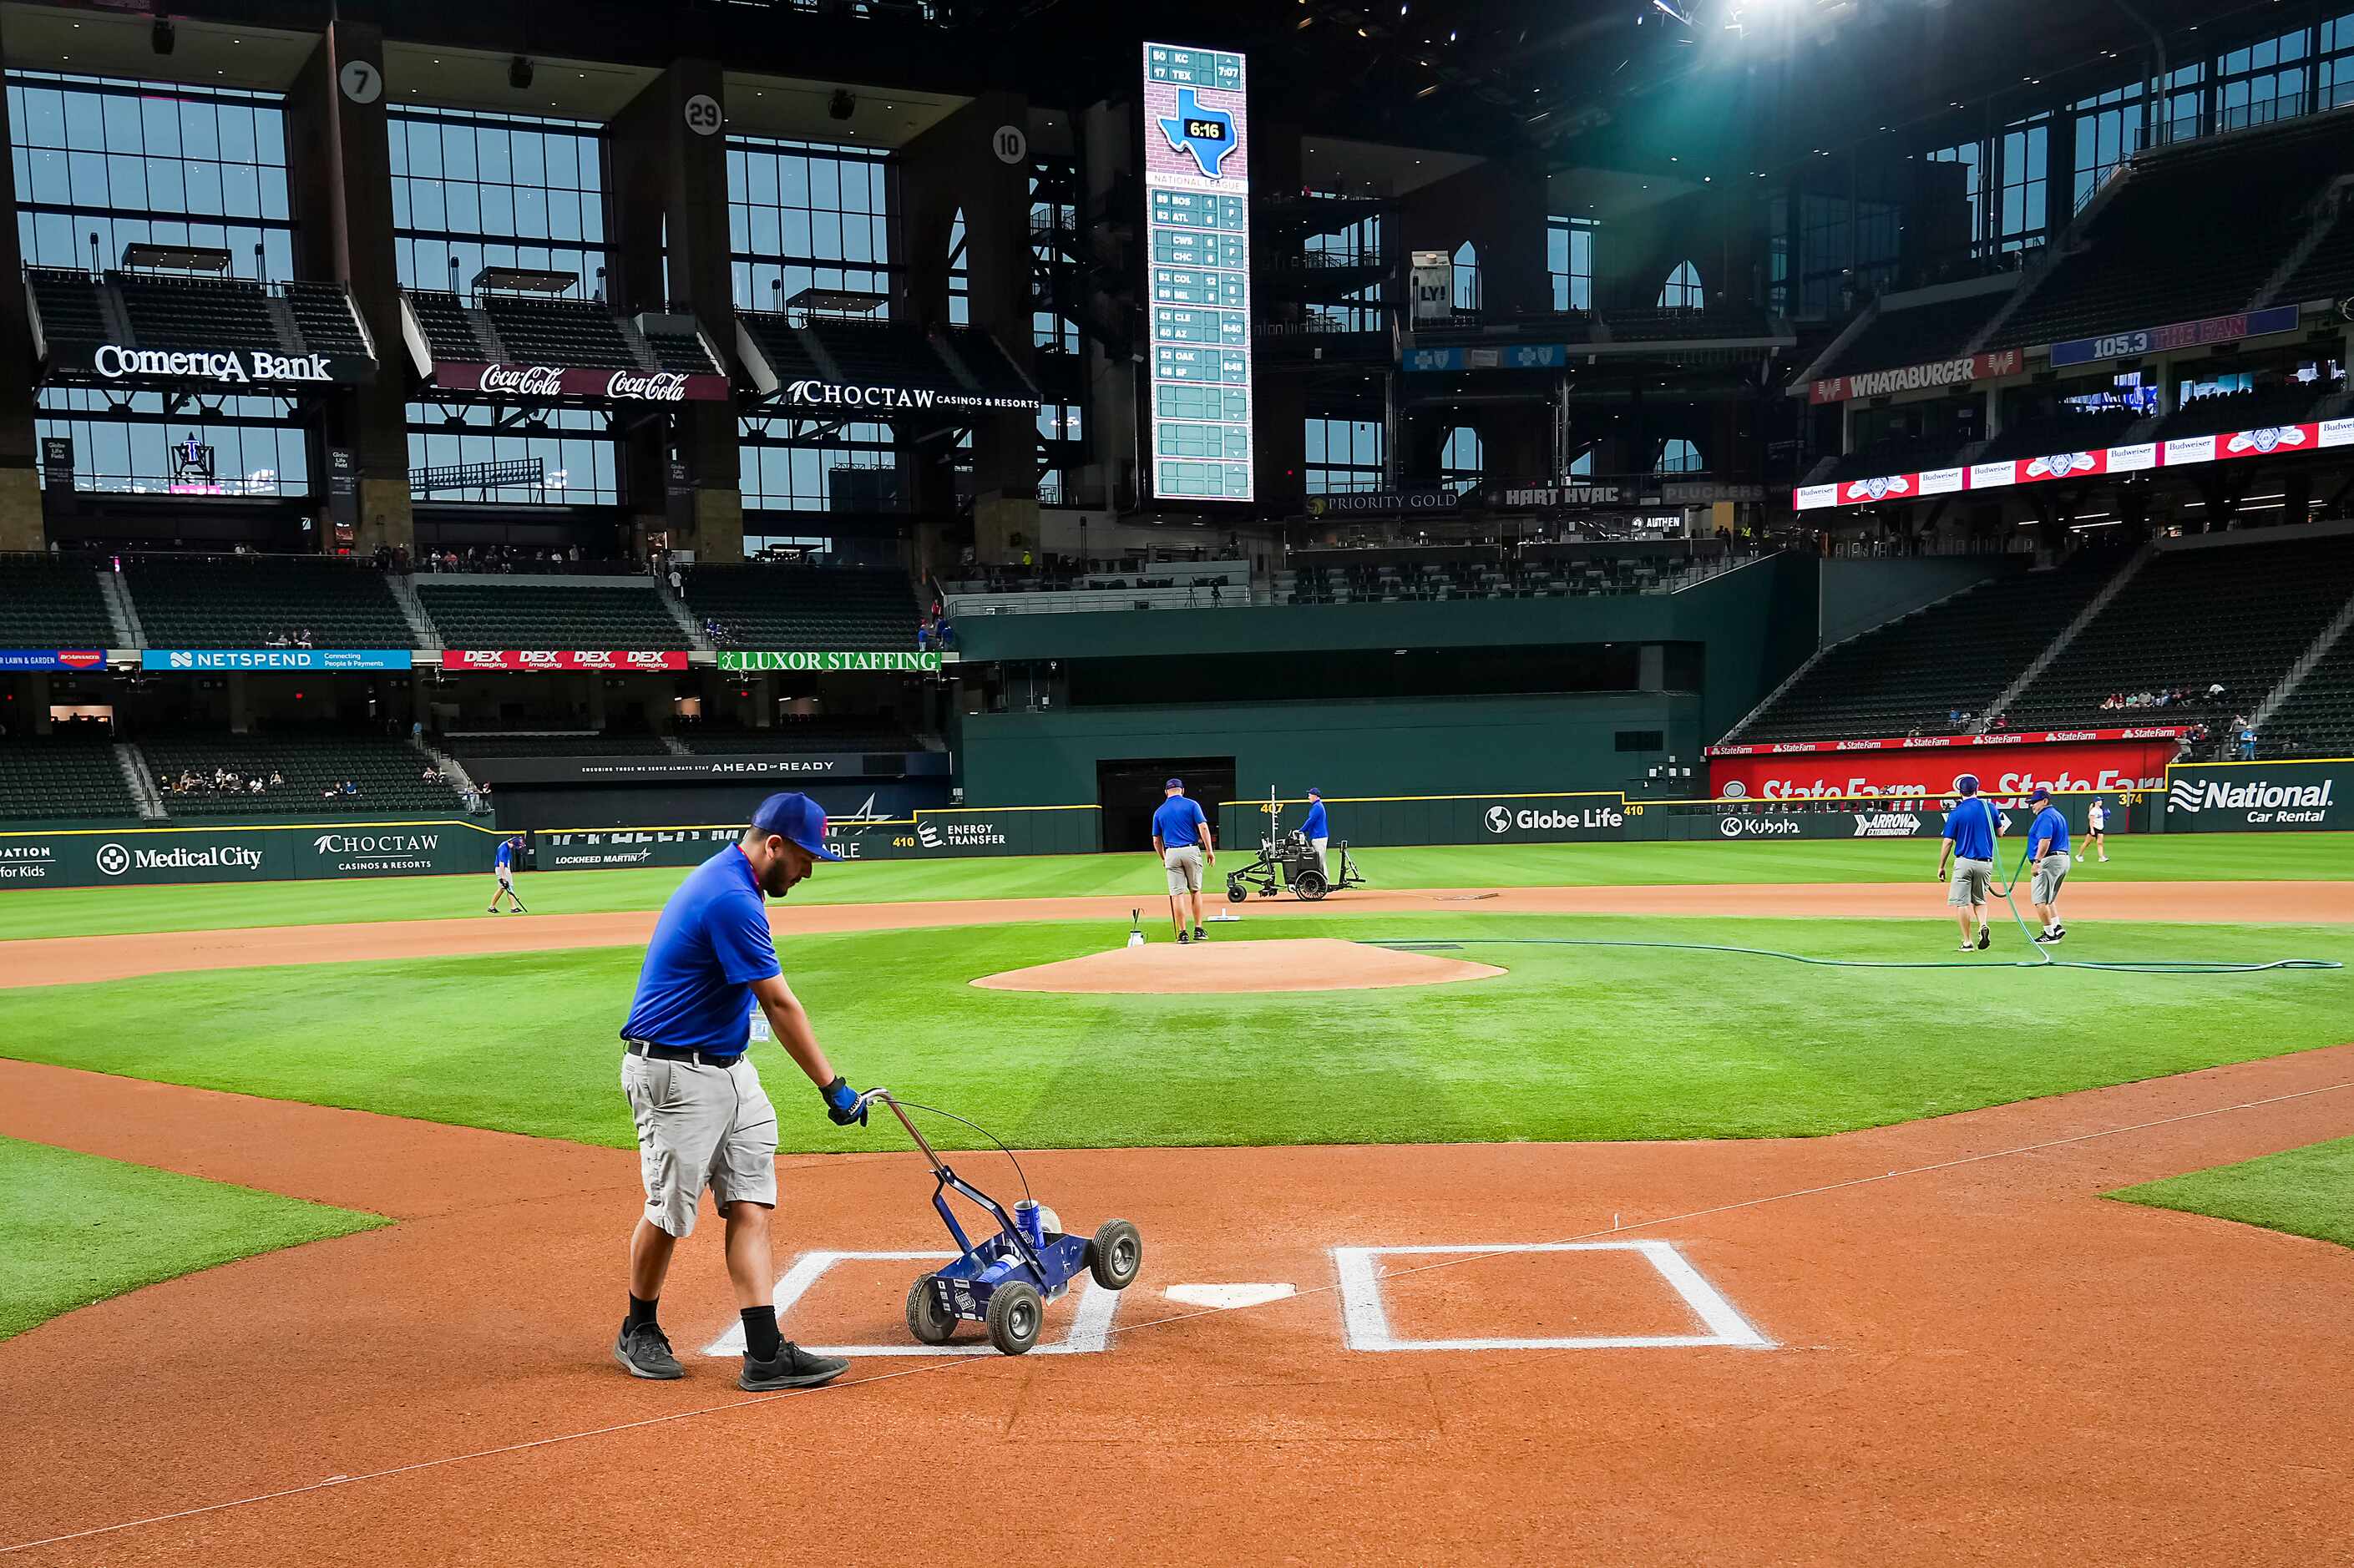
[[1226, 1296]]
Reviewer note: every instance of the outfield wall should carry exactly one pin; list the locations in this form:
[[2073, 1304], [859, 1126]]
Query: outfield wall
[[148, 857]]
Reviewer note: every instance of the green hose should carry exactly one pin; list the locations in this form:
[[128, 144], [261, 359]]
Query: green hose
[[2042, 958]]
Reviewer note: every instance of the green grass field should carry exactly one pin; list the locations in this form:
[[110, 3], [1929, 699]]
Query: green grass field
[[78, 1229], [100, 911], [2306, 1192], [1573, 1044]]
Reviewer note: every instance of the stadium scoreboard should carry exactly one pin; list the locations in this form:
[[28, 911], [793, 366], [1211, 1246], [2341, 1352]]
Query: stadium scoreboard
[[1197, 261]]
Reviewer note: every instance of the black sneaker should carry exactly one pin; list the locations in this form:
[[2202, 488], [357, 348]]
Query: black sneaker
[[793, 1368], [644, 1351], [2040, 937], [2058, 932], [1985, 940], [1200, 935], [1183, 939]]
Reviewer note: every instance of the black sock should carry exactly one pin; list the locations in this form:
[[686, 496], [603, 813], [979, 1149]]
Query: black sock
[[761, 1339], [641, 1311]]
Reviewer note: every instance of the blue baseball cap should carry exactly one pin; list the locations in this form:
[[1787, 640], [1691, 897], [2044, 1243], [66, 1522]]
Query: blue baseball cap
[[1174, 784], [1316, 794], [1967, 784], [2039, 793], [795, 817]]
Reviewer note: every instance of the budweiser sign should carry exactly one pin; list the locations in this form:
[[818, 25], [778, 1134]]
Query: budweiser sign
[[524, 660]]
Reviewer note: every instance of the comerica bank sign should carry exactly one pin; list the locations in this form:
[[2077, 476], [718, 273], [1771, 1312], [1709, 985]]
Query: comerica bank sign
[[232, 366]]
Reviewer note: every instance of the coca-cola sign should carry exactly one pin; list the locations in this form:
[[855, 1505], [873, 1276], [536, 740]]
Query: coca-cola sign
[[525, 660], [521, 380], [548, 382]]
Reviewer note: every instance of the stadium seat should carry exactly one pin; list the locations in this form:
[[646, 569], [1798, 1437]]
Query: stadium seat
[[531, 612], [63, 774], [52, 602], [386, 771], [244, 601], [1913, 672], [807, 609]]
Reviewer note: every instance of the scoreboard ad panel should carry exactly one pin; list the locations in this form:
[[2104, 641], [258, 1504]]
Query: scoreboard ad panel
[[1197, 261]]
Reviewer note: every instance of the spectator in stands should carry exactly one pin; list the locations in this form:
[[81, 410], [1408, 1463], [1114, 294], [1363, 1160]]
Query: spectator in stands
[[303, 638], [351, 790], [947, 635], [276, 780], [2244, 734], [253, 787], [923, 636], [2215, 691]]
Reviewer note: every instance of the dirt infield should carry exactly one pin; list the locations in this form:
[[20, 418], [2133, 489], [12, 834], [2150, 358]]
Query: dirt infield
[[1307, 963], [1966, 1356], [63, 961]]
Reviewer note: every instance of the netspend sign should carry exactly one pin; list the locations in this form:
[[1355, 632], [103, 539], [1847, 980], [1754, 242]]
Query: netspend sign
[[295, 660], [2260, 797]]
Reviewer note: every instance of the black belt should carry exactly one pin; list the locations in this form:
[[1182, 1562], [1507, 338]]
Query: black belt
[[678, 1053]]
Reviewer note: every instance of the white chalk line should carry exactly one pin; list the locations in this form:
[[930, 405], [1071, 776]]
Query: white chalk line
[[945, 1366]]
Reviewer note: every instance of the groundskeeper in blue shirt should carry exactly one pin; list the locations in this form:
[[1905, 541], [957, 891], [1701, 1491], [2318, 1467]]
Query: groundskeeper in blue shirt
[[1315, 826], [1970, 824], [2049, 825], [1178, 822]]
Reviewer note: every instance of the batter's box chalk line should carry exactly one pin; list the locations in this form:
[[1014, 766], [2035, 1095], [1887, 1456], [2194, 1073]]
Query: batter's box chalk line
[[1090, 1332], [1366, 1323]]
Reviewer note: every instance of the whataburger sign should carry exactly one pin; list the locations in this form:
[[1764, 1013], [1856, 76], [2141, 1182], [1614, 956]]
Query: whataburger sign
[[2270, 441], [1914, 377], [756, 663]]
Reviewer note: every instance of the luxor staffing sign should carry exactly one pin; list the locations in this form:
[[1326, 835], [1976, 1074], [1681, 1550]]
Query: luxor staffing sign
[[1197, 265]]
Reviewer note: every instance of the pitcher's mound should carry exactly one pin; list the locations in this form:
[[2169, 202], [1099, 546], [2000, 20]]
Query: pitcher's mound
[[1311, 963]]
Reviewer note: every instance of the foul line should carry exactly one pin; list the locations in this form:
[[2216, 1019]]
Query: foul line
[[949, 1364]]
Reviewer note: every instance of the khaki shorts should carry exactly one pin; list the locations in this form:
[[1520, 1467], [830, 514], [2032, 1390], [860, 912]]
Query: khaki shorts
[[506, 875], [2049, 873], [1184, 863], [1971, 878], [700, 1127]]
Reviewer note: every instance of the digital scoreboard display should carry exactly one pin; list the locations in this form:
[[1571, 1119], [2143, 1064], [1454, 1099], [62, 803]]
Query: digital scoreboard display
[[1197, 270]]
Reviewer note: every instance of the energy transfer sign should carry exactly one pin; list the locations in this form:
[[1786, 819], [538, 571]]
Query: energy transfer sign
[[753, 662], [1197, 270]]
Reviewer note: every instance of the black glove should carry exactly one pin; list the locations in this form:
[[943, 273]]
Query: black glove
[[843, 1105]]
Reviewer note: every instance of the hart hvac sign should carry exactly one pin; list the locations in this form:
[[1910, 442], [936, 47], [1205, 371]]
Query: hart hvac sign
[[2260, 797], [754, 663], [227, 366], [814, 392]]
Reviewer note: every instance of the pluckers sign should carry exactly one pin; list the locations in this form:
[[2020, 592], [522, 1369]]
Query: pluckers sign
[[545, 383]]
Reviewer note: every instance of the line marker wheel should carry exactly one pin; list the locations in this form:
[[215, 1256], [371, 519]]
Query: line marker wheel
[[1015, 1316], [1116, 1255], [928, 1318]]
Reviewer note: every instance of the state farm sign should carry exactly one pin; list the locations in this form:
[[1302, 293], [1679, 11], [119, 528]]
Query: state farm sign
[[1830, 770], [524, 660]]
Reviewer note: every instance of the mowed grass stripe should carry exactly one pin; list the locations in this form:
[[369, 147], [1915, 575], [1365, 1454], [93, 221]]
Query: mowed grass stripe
[[1572, 1043], [104, 911], [76, 1228]]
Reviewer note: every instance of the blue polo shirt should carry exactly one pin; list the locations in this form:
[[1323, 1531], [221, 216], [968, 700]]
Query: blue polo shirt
[[711, 943], [2049, 824], [505, 857], [1316, 827], [1179, 823], [1970, 825]]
